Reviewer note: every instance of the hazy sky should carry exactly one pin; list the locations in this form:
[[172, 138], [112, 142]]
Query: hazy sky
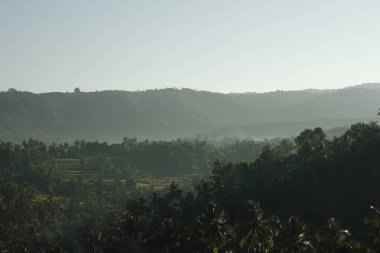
[[226, 46]]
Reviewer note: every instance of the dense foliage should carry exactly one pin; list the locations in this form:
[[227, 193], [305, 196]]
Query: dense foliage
[[311, 195]]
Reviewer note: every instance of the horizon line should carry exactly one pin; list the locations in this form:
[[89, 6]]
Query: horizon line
[[11, 89]]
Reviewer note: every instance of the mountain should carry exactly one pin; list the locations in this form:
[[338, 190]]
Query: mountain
[[365, 86], [332, 127], [171, 113]]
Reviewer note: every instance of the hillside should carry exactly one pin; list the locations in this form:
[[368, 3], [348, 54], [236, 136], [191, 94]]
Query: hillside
[[171, 113]]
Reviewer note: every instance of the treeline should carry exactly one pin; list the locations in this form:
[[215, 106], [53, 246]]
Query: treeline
[[231, 149], [318, 195], [160, 158]]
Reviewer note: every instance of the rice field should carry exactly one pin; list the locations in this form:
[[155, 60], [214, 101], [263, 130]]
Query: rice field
[[45, 197], [73, 169]]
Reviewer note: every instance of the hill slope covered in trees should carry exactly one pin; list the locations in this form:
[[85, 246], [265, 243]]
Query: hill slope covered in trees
[[314, 195], [171, 113]]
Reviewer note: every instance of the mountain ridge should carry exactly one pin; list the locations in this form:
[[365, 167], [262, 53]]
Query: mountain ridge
[[171, 113], [373, 85]]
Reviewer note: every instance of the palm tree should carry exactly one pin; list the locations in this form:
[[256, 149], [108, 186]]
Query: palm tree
[[174, 197], [334, 239], [165, 237], [373, 222], [256, 234], [293, 237], [213, 227]]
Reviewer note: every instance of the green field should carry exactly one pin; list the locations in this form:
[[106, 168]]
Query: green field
[[44, 197], [72, 169]]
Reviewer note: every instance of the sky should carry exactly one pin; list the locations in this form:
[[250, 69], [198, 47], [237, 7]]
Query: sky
[[215, 45]]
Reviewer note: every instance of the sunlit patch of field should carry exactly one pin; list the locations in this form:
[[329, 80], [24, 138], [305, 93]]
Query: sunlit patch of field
[[155, 183], [67, 175], [44, 197], [73, 169]]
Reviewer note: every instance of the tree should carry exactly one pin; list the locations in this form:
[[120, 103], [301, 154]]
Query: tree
[[373, 224], [293, 237], [214, 229], [12, 90], [255, 233], [334, 239], [107, 166], [311, 144]]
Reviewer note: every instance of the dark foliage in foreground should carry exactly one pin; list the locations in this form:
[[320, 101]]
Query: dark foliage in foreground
[[315, 196]]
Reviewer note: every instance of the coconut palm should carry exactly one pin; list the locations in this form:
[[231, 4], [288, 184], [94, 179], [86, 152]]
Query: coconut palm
[[334, 239], [293, 237], [256, 234], [213, 228], [373, 223]]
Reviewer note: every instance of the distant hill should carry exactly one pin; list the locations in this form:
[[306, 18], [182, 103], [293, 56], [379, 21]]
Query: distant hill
[[171, 113], [365, 86], [332, 127]]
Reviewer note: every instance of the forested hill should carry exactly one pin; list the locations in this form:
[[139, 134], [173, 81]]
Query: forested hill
[[171, 113]]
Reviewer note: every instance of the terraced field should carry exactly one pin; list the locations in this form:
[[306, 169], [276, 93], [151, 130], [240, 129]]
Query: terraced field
[[83, 169], [44, 197], [162, 183], [75, 169]]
